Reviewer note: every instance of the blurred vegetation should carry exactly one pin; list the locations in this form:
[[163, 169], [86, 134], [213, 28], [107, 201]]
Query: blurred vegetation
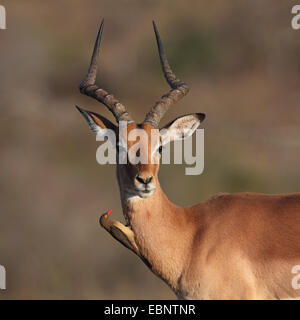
[[242, 62]]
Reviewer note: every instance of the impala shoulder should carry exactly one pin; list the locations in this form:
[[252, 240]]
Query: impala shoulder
[[220, 195], [236, 196], [227, 200]]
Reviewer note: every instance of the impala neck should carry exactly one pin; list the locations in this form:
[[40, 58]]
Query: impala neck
[[161, 233]]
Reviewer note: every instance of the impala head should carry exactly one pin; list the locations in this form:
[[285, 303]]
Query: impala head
[[139, 145]]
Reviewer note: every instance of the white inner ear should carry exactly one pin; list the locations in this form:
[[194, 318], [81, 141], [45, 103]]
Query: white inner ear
[[180, 129], [102, 134], [94, 127]]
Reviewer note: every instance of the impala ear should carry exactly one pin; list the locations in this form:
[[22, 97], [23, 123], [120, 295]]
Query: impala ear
[[97, 123], [181, 128]]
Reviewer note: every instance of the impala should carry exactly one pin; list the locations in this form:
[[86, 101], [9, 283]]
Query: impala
[[232, 246]]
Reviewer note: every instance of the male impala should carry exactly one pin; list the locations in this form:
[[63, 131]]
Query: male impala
[[232, 246]]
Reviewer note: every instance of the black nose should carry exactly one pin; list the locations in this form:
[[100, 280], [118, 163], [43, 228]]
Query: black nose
[[144, 181]]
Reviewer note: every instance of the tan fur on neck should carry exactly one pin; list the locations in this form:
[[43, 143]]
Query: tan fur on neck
[[156, 224]]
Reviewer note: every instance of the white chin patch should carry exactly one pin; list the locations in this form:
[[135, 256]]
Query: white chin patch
[[139, 195], [145, 195]]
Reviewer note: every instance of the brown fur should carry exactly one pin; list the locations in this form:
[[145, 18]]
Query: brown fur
[[233, 246], [240, 246]]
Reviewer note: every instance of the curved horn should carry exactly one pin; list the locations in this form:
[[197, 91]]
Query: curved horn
[[88, 87], [178, 88]]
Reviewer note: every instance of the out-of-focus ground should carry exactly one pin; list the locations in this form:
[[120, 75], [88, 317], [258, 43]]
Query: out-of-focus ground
[[242, 62]]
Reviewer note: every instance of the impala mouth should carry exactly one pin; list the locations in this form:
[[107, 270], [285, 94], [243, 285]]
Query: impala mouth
[[145, 193]]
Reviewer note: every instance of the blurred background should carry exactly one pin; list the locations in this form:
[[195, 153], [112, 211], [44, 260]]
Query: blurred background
[[242, 62]]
